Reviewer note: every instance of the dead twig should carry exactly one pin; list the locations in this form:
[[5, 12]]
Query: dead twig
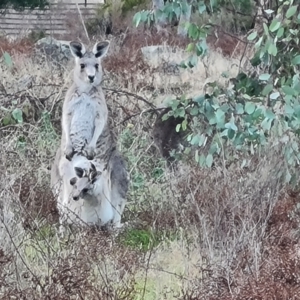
[[132, 95], [155, 110]]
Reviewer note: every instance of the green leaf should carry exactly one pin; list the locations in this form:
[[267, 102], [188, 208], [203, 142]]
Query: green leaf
[[269, 11], [288, 90], [209, 160], [202, 8], [269, 114], [230, 134], [17, 115], [7, 59], [250, 108], [201, 47], [220, 116], [193, 31], [275, 24], [192, 61], [288, 176], [266, 30], [296, 60], [288, 109], [194, 111], [252, 36], [272, 49], [137, 19], [291, 11], [178, 127], [195, 140], [202, 140], [7, 120], [274, 96], [239, 109], [280, 32], [165, 117], [184, 124], [231, 125], [258, 43], [197, 156], [202, 160], [267, 89], [264, 77], [190, 47]]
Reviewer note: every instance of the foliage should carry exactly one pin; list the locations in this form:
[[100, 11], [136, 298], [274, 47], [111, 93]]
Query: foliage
[[256, 110], [237, 16], [22, 4]]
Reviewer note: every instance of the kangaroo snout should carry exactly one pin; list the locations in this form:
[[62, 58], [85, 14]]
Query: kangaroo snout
[[91, 78]]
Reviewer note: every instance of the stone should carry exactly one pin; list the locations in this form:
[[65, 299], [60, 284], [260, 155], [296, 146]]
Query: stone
[[56, 50]]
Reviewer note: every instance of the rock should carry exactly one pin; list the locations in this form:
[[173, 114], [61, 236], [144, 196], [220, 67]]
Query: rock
[[55, 50], [167, 74]]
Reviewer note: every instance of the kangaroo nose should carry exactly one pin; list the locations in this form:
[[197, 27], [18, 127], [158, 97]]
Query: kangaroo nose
[[75, 198], [91, 78]]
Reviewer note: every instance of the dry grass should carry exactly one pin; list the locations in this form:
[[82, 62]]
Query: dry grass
[[192, 234]]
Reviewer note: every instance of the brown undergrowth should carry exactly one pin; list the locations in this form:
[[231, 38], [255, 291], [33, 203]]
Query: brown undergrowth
[[224, 233]]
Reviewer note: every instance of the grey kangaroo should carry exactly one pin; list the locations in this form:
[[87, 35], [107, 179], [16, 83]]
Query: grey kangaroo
[[86, 129]]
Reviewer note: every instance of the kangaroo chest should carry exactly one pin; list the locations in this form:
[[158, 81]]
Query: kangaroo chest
[[86, 113]]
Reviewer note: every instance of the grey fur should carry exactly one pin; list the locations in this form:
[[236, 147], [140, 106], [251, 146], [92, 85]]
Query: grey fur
[[86, 130]]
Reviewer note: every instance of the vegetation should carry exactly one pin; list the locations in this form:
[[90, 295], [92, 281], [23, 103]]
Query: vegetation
[[256, 110], [22, 4], [221, 219]]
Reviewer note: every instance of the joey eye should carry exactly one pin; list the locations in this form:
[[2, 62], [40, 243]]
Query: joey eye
[[82, 66], [73, 181], [85, 190], [97, 66]]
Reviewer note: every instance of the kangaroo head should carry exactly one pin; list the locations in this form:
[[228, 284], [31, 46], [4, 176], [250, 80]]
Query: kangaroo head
[[83, 185], [88, 69]]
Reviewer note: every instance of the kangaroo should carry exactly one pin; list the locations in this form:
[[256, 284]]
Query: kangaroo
[[85, 111], [84, 195], [86, 130]]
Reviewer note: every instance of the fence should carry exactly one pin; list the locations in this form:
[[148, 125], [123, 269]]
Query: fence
[[58, 19]]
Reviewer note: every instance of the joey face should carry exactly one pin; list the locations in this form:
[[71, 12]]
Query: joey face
[[88, 69], [83, 184]]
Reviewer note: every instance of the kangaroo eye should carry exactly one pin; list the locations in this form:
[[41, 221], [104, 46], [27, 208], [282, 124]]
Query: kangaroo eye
[[85, 191], [82, 66], [97, 66], [73, 181]]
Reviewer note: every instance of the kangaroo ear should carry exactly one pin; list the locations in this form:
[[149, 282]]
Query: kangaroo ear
[[77, 49], [100, 49], [79, 172]]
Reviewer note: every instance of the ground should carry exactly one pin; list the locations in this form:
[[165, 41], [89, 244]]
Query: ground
[[222, 233]]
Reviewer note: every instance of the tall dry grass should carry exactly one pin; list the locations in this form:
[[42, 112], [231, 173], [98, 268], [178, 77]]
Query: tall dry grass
[[224, 233]]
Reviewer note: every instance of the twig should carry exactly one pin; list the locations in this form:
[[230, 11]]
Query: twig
[[131, 94], [242, 57], [146, 276], [140, 113], [79, 11], [21, 257], [231, 35]]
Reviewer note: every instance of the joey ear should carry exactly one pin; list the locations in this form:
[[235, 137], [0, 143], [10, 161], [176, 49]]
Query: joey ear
[[73, 180], [77, 49], [93, 168], [79, 172], [95, 175], [100, 49]]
